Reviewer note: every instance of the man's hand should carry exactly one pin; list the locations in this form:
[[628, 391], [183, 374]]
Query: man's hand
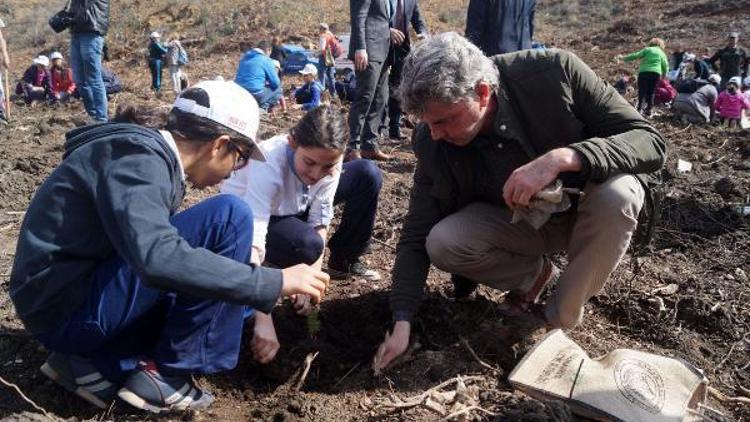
[[304, 279], [397, 37], [302, 304], [395, 345], [532, 177], [265, 344], [360, 60]]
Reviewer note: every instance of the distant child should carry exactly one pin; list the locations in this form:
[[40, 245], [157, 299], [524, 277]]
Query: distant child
[[61, 79], [664, 93], [746, 88], [308, 95], [176, 58], [293, 195], [623, 85], [277, 51], [156, 53], [35, 84], [731, 104], [653, 66]]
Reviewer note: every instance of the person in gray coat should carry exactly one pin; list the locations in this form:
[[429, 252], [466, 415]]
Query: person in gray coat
[[500, 26]]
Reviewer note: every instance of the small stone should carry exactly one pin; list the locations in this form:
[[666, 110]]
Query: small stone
[[740, 275]]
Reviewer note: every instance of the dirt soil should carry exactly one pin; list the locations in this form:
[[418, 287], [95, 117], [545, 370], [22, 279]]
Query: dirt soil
[[685, 297]]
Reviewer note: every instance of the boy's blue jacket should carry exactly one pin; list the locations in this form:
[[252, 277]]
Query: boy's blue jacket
[[113, 194], [256, 71]]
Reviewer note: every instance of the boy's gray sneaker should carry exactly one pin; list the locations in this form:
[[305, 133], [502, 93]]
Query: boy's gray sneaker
[[149, 390], [78, 375]]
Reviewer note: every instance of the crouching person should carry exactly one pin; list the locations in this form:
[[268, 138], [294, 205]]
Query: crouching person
[[293, 195], [482, 152], [131, 297]]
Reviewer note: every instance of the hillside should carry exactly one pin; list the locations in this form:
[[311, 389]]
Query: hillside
[[687, 296]]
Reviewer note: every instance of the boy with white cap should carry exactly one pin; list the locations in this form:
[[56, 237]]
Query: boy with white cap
[[127, 293], [308, 95]]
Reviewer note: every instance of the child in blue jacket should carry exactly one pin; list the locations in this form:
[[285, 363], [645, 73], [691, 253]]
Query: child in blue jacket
[[308, 95]]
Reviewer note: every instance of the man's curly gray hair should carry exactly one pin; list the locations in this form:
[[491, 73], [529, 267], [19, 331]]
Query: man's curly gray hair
[[444, 68]]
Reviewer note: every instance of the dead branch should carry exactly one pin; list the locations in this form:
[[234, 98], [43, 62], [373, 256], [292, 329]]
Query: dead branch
[[726, 399], [476, 357], [729, 353], [347, 374], [308, 361], [420, 398], [388, 245], [467, 410], [26, 399]]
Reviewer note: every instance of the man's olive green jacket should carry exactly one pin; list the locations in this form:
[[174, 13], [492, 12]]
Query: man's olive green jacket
[[546, 100]]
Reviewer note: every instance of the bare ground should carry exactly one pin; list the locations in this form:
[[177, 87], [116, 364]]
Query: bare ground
[[700, 246]]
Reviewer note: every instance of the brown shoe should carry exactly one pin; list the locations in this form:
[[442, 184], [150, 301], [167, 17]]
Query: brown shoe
[[376, 155], [352, 155], [519, 302]]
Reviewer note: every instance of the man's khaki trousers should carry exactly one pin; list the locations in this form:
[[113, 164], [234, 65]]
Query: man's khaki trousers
[[479, 243]]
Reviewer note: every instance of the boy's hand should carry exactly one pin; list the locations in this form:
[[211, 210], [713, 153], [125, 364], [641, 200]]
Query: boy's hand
[[304, 279], [393, 346]]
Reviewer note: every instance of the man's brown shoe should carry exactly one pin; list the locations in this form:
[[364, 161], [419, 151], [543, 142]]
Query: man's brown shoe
[[376, 155]]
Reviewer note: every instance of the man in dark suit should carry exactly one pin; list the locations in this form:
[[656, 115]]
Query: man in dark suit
[[405, 12], [369, 47], [500, 26]]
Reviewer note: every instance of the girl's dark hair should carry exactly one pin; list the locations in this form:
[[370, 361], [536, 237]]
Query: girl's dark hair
[[322, 127], [153, 118], [186, 125]]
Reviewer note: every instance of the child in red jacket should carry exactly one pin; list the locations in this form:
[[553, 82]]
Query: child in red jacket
[[61, 79]]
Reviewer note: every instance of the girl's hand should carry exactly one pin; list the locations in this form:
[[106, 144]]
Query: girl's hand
[[264, 344]]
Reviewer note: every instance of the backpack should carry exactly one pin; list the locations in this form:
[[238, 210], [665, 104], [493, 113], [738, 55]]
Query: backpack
[[182, 57], [337, 49], [689, 86]]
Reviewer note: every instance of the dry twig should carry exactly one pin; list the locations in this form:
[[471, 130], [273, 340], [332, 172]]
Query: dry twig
[[347, 374], [474, 354], [388, 245], [308, 361], [723, 398], [467, 410], [26, 399]]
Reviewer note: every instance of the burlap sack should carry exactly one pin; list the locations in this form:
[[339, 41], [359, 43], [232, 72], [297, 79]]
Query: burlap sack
[[623, 385]]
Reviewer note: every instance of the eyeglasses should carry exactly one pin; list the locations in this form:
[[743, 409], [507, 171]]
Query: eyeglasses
[[243, 156]]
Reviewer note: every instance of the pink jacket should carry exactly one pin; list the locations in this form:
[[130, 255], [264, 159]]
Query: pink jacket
[[730, 106]]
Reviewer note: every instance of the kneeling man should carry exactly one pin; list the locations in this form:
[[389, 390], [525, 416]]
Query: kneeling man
[[494, 133]]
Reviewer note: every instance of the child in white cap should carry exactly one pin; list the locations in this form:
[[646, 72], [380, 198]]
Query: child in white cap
[[61, 79], [132, 297], [35, 83], [308, 96]]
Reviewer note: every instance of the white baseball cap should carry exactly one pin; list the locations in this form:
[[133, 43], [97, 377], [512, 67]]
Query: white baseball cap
[[309, 69], [231, 106], [42, 60], [55, 55], [155, 35], [735, 80], [715, 78]]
